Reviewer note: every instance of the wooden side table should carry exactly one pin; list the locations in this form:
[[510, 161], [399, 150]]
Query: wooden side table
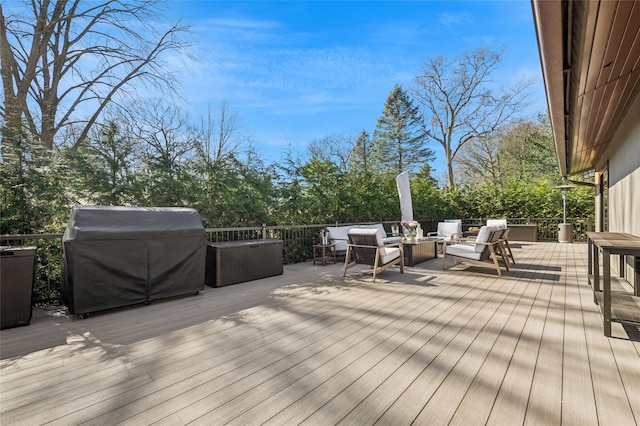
[[616, 306], [325, 253]]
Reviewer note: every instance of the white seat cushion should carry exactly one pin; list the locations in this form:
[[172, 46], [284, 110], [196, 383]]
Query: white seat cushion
[[498, 223], [483, 237], [463, 250], [338, 236], [379, 226], [388, 254], [446, 230]]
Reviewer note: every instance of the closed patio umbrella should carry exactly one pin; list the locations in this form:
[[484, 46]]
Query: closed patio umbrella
[[404, 192]]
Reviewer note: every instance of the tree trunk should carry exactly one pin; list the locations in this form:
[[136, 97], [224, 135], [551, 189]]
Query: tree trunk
[[452, 181]]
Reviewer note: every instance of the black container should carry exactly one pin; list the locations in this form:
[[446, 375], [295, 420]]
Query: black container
[[16, 285]]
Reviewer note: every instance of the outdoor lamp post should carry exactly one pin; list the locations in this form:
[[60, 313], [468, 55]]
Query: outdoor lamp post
[[565, 230]]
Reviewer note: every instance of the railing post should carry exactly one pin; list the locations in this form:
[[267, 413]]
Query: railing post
[[264, 231]]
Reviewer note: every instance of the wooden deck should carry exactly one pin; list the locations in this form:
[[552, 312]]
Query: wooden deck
[[429, 347]]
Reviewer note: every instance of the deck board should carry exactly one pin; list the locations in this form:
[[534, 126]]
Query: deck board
[[482, 393], [461, 346], [577, 390], [545, 396], [512, 401]]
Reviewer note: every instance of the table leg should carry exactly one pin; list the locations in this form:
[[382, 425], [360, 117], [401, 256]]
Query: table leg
[[622, 265], [589, 257], [322, 253], [318, 255], [606, 284], [596, 273], [636, 278]]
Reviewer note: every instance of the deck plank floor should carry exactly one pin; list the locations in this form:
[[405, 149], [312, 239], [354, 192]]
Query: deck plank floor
[[433, 347]]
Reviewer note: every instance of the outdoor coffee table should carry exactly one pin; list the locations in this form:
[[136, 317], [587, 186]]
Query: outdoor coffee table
[[324, 253], [418, 250]]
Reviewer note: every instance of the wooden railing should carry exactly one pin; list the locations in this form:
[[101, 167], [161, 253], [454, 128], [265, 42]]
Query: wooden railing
[[297, 247]]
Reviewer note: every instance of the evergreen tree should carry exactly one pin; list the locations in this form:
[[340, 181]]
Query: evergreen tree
[[102, 171], [33, 195], [360, 157], [399, 140]]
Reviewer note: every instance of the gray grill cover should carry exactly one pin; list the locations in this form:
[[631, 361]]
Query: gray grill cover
[[118, 256]]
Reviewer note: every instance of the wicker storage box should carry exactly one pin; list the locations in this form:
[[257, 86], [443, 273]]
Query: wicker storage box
[[239, 261], [523, 232]]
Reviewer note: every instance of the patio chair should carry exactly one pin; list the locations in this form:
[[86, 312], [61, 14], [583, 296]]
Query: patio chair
[[338, 236], [447, 231], [366, 248], [502, 224], [486, 250]]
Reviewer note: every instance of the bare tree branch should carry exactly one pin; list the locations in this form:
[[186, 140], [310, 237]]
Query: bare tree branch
[[220, 137], [458, 103], [78, 58]]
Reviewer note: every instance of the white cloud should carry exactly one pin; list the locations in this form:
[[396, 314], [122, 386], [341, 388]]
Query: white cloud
[[455, 19]]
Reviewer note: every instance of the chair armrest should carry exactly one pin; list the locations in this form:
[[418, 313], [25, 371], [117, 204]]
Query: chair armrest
[[488, 243], [364, 246], [391, 240], [394, 244], [387, 245], [458, 236], [453, 243]]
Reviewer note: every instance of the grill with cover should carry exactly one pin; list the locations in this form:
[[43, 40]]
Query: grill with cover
[[118, 256]]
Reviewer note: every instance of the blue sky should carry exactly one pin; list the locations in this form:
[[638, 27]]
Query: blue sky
[[299, 71]]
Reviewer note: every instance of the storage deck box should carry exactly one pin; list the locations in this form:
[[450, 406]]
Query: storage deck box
[[239, 261], [16, 285], [525, 232], [118, 256]]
